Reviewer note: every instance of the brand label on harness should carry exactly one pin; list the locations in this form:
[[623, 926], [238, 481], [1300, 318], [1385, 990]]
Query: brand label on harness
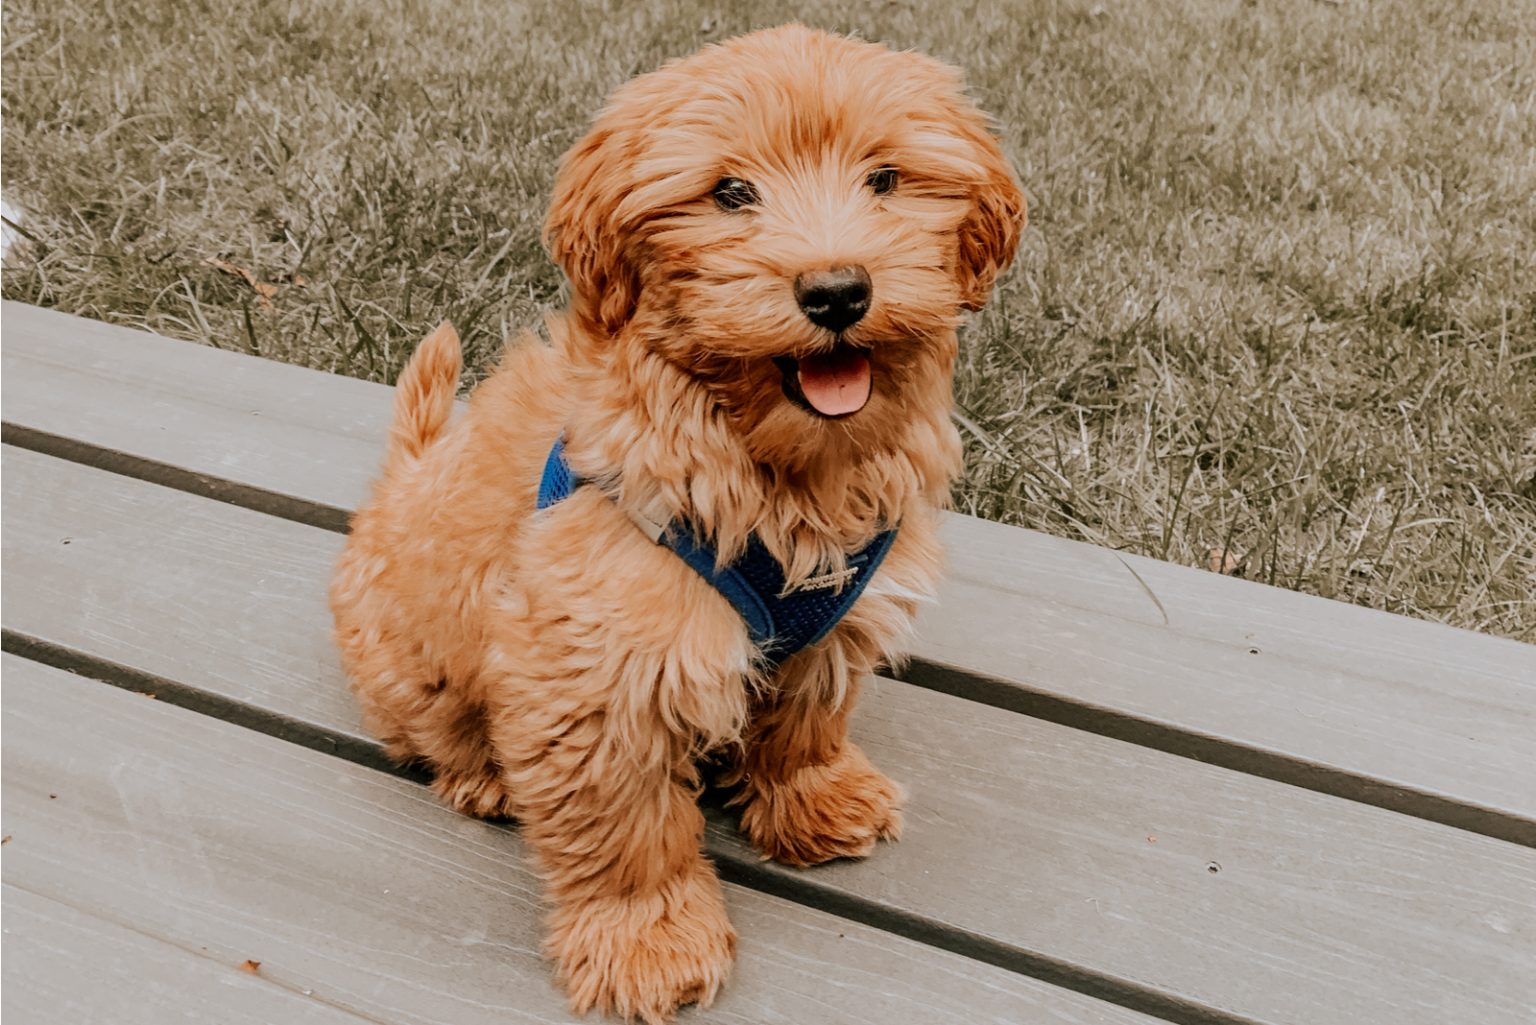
[[826, 580]]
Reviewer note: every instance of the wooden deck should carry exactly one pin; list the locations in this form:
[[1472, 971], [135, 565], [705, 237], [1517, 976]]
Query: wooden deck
[[1139, 792]]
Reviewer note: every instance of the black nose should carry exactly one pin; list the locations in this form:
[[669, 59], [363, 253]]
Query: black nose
[[834, 299]]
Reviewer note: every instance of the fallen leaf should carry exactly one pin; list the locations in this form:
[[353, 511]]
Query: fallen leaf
[[265, 291], [5, 839], [1223, 561], [254, 967]]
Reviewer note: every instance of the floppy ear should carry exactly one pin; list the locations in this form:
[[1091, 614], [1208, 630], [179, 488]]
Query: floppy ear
[[990, 232], [584, 234]]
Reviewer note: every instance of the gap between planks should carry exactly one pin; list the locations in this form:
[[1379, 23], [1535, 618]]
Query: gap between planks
[[1007, 695]]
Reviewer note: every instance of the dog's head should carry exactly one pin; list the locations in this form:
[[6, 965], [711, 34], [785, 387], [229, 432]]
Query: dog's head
[[796, 220]]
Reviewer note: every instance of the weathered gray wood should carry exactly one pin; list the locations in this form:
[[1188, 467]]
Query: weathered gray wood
[[1418, 717], [359, 893], [64, 966], [218, 415], [1045, 848], [1433, 721]]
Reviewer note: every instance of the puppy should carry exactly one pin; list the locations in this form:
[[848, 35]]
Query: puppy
[[769, 247]]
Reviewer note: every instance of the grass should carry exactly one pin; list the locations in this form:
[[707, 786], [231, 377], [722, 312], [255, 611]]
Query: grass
[[1277, 301]]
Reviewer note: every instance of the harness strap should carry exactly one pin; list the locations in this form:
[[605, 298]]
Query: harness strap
[[779, 620]]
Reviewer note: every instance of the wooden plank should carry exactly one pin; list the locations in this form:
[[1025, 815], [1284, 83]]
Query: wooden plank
[[1413, 716], [218, 416], [64, 966], [1031, 845], [358, 893], [1417, 717]]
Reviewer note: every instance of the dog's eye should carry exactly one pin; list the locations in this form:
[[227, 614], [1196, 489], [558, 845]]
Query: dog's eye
[[733, 193], [882, 180]]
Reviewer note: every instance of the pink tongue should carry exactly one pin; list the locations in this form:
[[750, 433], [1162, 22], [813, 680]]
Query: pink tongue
[[836, 383]]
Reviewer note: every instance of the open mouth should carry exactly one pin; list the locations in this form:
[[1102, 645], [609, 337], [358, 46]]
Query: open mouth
[[832, 384]]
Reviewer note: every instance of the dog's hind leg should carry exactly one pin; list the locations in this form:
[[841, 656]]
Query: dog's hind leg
[[432, 722], [466, 773], [422, 716]]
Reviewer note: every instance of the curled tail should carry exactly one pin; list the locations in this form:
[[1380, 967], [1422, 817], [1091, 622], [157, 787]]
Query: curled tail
[[424, 396]]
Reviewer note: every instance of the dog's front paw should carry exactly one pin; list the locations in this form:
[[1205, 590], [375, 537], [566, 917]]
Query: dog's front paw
[[819, 812], [644, 957]]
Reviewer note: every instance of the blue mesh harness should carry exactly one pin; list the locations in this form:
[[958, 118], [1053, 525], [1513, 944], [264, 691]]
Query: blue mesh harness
[[780, 622]]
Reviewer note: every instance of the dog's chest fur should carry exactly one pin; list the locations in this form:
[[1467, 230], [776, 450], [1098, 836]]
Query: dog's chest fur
[[573, 606]]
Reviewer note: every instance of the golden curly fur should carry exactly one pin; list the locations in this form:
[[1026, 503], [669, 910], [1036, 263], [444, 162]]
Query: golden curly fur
[[560, 668]]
